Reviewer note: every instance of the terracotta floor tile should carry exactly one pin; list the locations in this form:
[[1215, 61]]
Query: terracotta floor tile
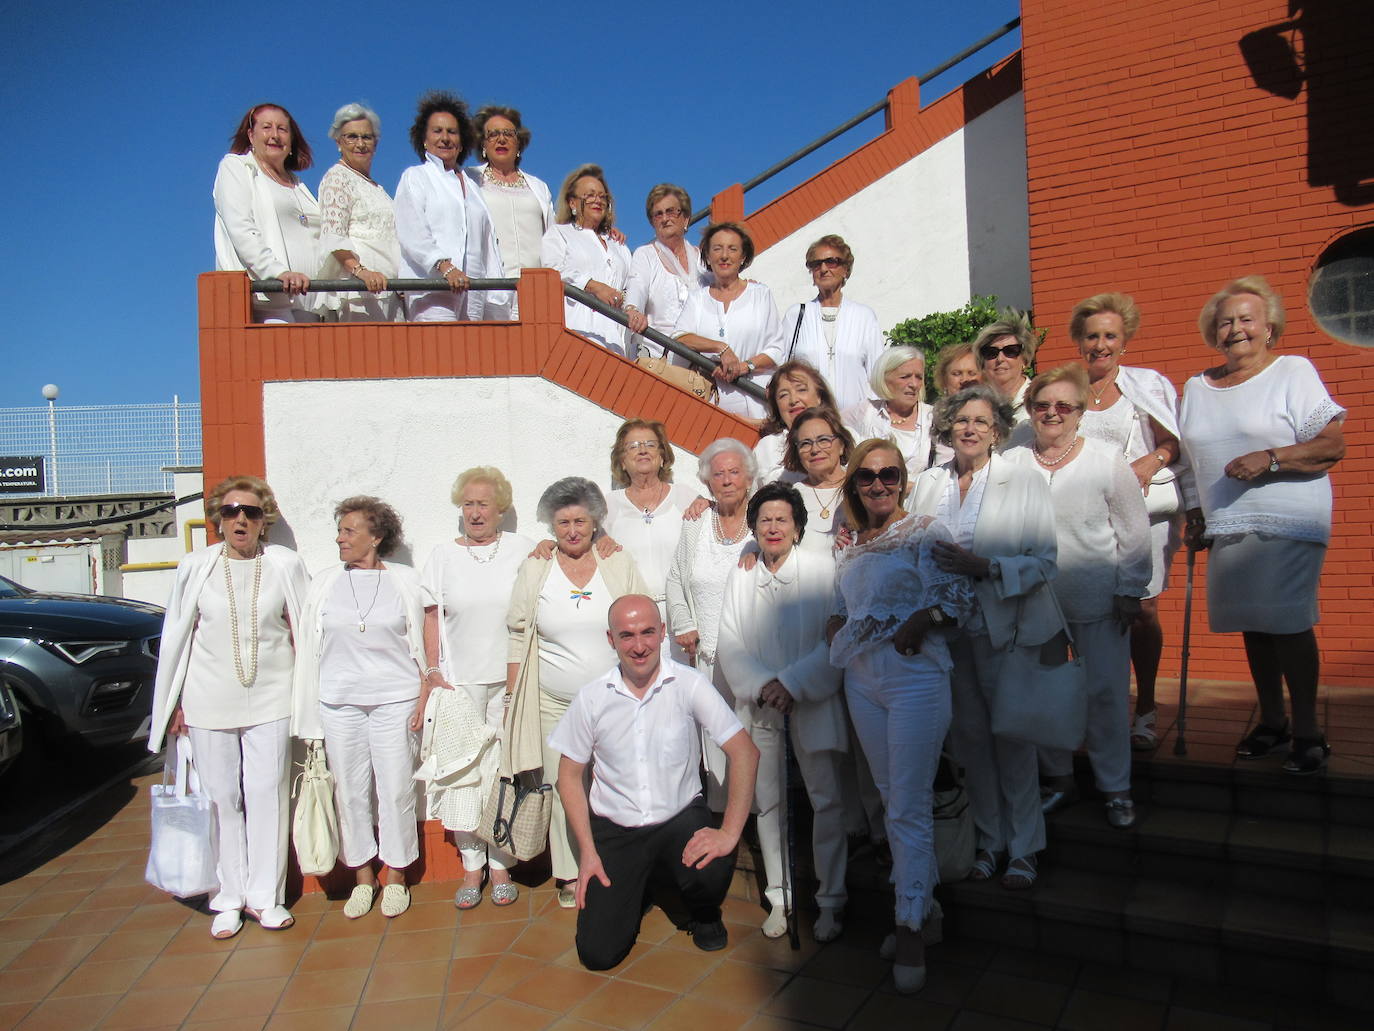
[[546, 940], [333, 1019], [254, 1023], [195, 938], [508, 971], [554, 988], [1182, 1019], [54, 953], [66, 1014], [1089, 1011], [334, 924], [508, 1016], [416, 946], [427, 916], [753, 947], [159, 1008], [404, 1014], [240, 999], [433, 891], [671, 970], [1020, 998], [573, 1024], [394, 981], [948, 984], [157, 916], [816, 1002], [322, 989], [768, 1022], [133, 944], [128, 897], [255, 936], [28, 985], [846, 965], [102, 978], [343, 954], [885, 1012], [741, 985], [96, 862], [179, 971], [466, 974], [623, 1005], [459, 1007], [255, 964], [486, 913], [656, 928], [42, 903], [482, 941], [694, 1014], [11, 1013], [1134, 984], [29, 928], [9, 950]]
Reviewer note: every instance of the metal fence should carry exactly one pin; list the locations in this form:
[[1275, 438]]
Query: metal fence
[[102, 449]]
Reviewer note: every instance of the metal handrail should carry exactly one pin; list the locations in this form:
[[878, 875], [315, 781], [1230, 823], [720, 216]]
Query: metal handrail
[[863, 115], [705, 363]]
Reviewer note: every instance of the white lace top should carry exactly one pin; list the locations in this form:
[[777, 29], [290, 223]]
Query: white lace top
[[696, 584], [1112, 426], [882, 582], [357, 215], [1284, 404]]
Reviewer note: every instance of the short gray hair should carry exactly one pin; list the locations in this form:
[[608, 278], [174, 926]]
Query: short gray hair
[[1003, 417], [893, 357], [351, 113], [727, 445], [572, 490]]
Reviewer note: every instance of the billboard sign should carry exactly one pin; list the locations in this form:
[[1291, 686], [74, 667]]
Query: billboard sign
[[21, 474]]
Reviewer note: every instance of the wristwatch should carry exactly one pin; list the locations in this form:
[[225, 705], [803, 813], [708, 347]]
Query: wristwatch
[[1273, 460], [750, 365], [937, 616]]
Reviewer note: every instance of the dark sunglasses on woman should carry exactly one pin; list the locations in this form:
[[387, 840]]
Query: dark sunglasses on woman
[[889, 474], [253, 512], [991, 351]]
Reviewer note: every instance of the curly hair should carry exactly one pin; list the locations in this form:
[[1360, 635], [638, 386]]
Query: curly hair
[[619, 477], [777, 491], [382, 520], [1003, 416], [746, 243], [488, 474], [835, 243], [442, 102], [300, 158], [571, 490], [254, 485]]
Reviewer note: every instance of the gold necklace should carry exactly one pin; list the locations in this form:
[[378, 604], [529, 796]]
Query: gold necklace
[[825, 505], [1098, 394]]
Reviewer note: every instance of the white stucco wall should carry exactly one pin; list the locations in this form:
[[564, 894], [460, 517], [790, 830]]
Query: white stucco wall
[[951, 222], [406, 441]]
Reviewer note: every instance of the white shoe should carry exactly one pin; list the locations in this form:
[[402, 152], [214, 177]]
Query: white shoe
[[273, 918], [226, 924], [775, 924], [360, 901], [395, 900], [829, 925], [909, 980]]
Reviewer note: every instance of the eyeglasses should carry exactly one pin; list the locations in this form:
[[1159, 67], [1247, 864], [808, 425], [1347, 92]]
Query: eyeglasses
[[977, 422], [991, 351], [1060, 407], [499, 134], [667, 213], [890, 476], [814, 443], [252, 512], [641, 445], [359, 137], [816, 263], [593, 198]]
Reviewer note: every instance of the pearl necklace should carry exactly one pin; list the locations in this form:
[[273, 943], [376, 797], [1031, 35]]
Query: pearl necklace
[[1039, 456], [362, 616], [244, 678], [490, 176], [472, 547], [717, 526]]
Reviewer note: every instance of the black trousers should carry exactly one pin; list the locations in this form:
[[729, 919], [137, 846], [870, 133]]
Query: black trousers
[[608, 926]]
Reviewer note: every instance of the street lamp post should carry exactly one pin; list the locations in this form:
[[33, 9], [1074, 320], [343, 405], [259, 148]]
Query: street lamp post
[[50, 395]]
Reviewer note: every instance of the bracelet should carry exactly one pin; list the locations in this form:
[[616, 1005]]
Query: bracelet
[[434, 669], [1161, 458]]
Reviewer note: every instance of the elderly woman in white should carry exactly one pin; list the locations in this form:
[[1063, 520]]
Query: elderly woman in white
[[519, 203], [1004, 351], [224, 676], [1102, 533], [358, 221], [664, 272], [839, 337], [361, 656], [898, 411], [776, 661], [441, 220], [467, 585], [557, 640], [267, 222], [707, 549], [1002, 520], [582, 249]]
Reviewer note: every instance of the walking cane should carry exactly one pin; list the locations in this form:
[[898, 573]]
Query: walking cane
[[790, 895], [1180, 739]]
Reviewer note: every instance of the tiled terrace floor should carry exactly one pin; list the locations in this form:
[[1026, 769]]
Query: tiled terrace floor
[[84, 943]]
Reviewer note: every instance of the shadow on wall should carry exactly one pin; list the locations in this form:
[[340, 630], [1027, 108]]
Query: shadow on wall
[[1327, 45], [997, 203]]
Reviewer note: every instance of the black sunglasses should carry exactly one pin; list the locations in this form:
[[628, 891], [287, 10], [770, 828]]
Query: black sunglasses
[[889, 474], [253, 512], [991, 351]]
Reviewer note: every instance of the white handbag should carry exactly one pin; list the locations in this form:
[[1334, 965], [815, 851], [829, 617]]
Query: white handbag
[[315, 827], [181, 860], [1045, 705]]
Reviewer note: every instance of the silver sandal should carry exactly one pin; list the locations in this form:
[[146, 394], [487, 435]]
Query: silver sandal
[[468, 898], [504, 893]]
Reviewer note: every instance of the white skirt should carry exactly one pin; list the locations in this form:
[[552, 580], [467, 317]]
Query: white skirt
[[1262, 583]]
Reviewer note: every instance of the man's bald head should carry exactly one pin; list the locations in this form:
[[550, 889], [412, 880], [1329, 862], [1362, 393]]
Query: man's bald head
[[636, 634], [629, 606]]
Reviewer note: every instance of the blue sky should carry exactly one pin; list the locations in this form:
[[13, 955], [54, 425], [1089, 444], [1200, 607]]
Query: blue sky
[[119, 113]]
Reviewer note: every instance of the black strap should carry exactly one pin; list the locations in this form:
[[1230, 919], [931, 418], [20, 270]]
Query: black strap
[[801, 314]]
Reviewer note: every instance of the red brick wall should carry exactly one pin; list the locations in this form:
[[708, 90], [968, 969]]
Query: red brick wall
[[1158, 167]]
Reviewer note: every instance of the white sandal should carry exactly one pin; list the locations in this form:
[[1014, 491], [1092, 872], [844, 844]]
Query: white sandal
[[226, 924], [1143, 736], [359, 901]]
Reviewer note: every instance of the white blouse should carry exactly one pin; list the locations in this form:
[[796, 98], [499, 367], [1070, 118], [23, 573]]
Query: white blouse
[[659, 287], [518, 216], [573, 649], [696, 583], [580, 256], [651, 539], [750, 327], [1286, 403], [213, 698], [471, 588], [845, 350], [823, 517], [871, 418], [372, 666]]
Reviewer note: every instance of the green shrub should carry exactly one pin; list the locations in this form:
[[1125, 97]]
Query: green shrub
[[937, 330]]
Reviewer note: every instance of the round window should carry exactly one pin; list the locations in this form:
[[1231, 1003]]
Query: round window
[[1341, 291]]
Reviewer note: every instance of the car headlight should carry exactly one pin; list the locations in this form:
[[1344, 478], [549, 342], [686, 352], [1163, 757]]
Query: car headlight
[[78, 652]]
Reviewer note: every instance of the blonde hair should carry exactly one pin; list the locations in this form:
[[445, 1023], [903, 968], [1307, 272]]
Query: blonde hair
[[483, 474], [254, 484], [620, 478], [1251, 284], [1121, 305], [1073, 374]]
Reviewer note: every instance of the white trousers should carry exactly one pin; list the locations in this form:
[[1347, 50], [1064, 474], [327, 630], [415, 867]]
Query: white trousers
[[490, 700], [1000, 772], [821, 773], [1106, 652], [863, 802], [371, 748], [244, 771], [900, 706], [285, 317], [562, 848]]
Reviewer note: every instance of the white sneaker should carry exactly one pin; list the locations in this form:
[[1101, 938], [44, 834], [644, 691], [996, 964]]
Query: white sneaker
[[395, 900], [775, 924], [360, 901]]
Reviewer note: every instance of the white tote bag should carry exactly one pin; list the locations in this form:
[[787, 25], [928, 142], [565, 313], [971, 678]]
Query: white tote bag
[[315, 827], [182, 859]]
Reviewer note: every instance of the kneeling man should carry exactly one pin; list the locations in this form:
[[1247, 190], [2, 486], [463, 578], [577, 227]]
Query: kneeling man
[[639, 727]]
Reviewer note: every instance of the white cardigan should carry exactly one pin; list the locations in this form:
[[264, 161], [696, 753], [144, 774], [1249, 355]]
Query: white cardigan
[[858, 345], [310, 641], [1015, 527], [179, 625], [755, 628]]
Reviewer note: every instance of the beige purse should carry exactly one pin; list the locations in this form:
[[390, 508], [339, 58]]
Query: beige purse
[[679, 376]]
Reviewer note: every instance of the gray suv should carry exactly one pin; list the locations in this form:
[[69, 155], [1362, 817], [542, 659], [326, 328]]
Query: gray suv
[[79, 666]]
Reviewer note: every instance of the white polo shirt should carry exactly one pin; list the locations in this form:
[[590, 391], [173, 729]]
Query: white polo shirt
[[646, 751]]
